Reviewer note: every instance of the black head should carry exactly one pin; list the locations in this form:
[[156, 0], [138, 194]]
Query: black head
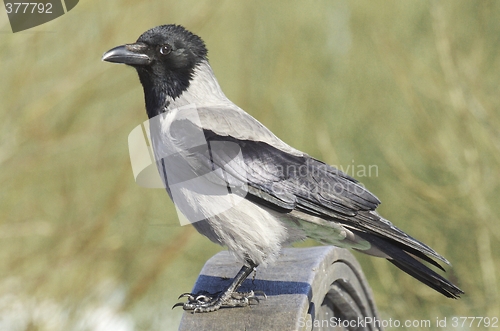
[[165, 58]]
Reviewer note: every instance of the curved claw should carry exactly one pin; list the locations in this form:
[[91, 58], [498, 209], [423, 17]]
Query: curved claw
[[249, 299], [260, 293], [185, 295], [178, 304], [203, 298]]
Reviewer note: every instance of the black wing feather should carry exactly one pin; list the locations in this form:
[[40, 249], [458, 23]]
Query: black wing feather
[[286, 182]]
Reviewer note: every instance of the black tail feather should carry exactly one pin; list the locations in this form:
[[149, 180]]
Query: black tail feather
[[419, 254], [427, 276], [409, 264]]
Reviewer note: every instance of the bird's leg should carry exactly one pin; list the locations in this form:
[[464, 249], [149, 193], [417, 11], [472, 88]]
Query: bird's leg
[[203, 302]]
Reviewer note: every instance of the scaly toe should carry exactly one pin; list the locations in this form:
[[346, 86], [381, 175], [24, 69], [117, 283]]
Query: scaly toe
[[203, 302]]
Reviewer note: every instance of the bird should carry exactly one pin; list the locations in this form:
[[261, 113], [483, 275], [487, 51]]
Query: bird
[[240, 185]]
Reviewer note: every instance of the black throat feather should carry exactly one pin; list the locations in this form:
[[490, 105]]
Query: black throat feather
[[161, 88]]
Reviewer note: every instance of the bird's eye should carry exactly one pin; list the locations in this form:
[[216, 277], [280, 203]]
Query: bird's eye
[[165, 49]]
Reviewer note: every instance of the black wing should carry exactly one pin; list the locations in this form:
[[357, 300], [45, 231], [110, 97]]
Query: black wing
[[286, 180]]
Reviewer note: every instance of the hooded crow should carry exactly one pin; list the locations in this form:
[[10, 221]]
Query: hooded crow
[[240, 185]]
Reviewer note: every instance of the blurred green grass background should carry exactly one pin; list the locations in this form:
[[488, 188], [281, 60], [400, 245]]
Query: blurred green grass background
[[408, 86]]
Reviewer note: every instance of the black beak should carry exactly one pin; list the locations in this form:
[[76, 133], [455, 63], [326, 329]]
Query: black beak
[[131, 54]]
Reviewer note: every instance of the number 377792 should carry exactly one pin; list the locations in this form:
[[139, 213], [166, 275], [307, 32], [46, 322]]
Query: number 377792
[[28, 7]]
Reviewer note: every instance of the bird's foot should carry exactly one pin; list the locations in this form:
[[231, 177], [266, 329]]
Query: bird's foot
[[204, 302]]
